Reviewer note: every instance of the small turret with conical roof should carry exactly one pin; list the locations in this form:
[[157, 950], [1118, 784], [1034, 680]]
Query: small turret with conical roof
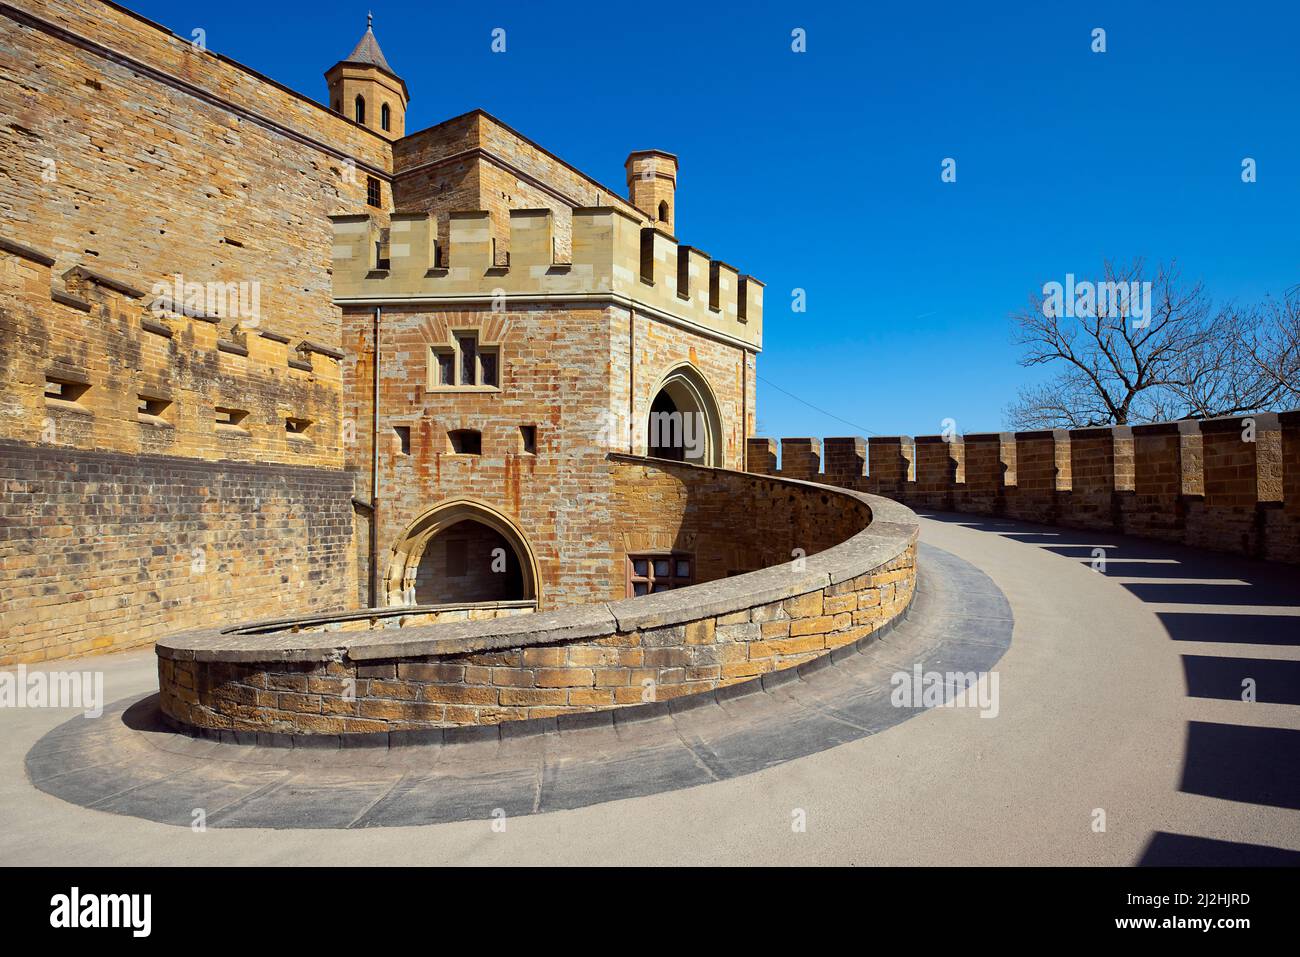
[[363, 87]]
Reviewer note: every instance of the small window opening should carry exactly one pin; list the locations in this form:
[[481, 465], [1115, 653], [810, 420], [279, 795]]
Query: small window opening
[[528, 434], [360, 108], [446, 367], [466, 441], [658, 572], [384, 116], [152, 406], [403, 438], [663, 212], [296, 426], [648, 256], [373, 195], [64, 390], [230, 418]]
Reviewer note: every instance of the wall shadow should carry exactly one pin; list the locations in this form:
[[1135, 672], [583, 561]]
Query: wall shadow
[[1243, 763], [1185, 850], [1276, 681]]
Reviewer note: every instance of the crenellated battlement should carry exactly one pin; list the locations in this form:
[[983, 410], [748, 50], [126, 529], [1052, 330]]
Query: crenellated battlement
[[613, 256], [1231, 484], [95, 362]]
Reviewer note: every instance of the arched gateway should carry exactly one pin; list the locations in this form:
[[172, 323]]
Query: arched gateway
[[685, 424], [461, 550]]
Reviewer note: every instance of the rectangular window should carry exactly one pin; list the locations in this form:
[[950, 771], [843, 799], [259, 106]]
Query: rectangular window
[[446, 368], [658, 572], [528, 435], [151, 407], [403, 438], [64, 389], [373, 195], [648, 256], [468, 359], [230, 418], [466, 364], [466, 441]]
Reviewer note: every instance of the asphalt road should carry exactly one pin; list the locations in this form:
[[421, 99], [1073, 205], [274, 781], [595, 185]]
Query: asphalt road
[[1120, 738]]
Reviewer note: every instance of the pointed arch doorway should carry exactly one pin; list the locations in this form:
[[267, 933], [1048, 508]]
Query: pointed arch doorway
[[684, 423]]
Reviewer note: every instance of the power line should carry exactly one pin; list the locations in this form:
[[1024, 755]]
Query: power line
[[814, 407]]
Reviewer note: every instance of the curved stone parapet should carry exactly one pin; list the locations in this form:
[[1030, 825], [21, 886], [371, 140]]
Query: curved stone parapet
[[381, 670]]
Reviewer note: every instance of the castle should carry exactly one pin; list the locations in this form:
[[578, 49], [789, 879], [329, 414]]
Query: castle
[[376, 433], [263, 356]]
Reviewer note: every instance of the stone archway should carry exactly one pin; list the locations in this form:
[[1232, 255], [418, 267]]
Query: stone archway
[[685, 423], [460, 531]]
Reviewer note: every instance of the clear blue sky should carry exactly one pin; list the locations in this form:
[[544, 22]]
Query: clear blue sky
[[821, 170]]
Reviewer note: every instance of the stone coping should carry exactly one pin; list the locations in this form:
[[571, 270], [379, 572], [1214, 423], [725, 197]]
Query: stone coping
[[527, 727], [891, 531], [299, 623]]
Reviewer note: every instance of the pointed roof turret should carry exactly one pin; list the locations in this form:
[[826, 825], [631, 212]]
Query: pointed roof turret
[[367, 49]]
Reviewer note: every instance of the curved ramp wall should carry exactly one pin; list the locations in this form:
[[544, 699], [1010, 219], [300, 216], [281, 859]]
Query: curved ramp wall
[[316, 676]]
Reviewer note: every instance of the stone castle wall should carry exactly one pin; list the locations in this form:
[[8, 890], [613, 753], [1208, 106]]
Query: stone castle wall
[[132, 152], [118, 525], [1231, 484]]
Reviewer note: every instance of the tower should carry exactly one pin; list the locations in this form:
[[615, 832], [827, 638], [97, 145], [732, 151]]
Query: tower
[[363, 87], [651, 184]]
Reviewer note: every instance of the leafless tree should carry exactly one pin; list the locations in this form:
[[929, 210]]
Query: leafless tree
[[1118, 363]]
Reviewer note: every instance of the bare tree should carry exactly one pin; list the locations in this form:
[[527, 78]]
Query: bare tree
[[1124, 357]]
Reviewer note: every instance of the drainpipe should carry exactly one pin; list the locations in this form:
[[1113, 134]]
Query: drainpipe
[[374, 470], [631, 381], [744, 410]]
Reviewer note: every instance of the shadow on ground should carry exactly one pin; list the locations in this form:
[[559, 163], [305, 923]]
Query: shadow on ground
[[1227, 599]]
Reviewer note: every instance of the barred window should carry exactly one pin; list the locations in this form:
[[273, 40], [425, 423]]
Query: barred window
[[659, 572]]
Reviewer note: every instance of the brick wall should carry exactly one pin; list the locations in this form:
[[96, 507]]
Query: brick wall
[[132, 152], [651, 649], [100, 550]]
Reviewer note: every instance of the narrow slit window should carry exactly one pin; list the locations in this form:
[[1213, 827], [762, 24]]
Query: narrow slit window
[[385, 117], [648, 256], [446, 368], [528, 436], [488, 367], [403, 438], [359, 108], [468, 359]]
